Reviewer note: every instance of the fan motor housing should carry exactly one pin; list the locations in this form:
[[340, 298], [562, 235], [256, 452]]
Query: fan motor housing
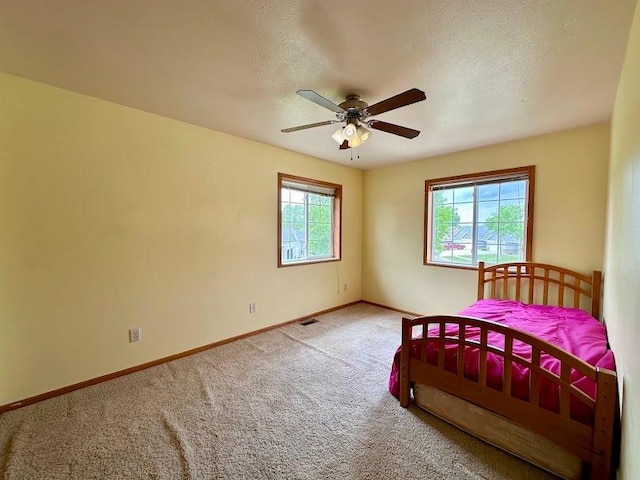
[[353, 106]]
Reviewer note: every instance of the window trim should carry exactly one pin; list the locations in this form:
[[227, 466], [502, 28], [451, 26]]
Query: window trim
[[337, 218], [529, 171]]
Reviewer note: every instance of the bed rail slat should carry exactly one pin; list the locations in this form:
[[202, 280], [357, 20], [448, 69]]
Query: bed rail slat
[[596, 292], [565, 400], [560, 302], [481, 280], [576, 292], [534, 377], [493, 283], [518, 281], [423, 347], [532, 275], [482, 374], [506, 374], [461, 349], [505, 283], [545, 292]]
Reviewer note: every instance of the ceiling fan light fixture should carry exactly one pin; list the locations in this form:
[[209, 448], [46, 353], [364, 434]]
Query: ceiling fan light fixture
[[361, 136], [355, 142], [363, 133], [350, 131], [339, 136]]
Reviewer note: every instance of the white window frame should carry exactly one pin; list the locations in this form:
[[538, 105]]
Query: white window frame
[[308, 185], [476, 179]]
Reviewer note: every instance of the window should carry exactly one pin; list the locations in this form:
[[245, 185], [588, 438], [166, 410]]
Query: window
[[481, 217], [309, 219]]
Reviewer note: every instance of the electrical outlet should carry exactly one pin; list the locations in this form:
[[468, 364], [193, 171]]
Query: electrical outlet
[[135, 334], [252, 308]]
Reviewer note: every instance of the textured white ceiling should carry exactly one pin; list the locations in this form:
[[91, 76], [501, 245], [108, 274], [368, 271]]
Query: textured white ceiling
[[492, 70]]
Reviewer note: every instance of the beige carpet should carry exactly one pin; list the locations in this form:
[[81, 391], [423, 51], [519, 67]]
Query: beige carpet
[[299, 402]]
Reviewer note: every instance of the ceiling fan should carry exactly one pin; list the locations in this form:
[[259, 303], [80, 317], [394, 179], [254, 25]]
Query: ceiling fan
[[355, 113]]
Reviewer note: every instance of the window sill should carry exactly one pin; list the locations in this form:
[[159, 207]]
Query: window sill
[[308, 262], [449, 265]]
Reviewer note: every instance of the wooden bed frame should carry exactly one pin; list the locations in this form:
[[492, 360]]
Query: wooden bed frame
[[520, 427]]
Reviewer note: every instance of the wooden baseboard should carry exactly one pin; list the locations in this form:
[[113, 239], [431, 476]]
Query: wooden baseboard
[[153, 363], [413, 314]]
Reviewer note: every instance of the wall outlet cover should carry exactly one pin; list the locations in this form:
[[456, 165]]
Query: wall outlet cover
[[135, 334]]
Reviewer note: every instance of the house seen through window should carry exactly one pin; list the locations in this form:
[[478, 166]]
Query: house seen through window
[[308, 220], [480, 217]]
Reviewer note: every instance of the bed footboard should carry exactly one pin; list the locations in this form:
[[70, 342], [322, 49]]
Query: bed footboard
[[591, 443]]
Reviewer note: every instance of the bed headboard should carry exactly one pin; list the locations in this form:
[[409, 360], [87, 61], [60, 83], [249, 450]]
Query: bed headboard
[[542, 284]]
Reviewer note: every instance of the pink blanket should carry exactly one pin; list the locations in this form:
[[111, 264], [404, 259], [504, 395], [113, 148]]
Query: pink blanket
[[571, 329]]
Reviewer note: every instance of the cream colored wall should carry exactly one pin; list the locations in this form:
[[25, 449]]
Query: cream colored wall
[[112, 218], [622, 257], [569, 216]]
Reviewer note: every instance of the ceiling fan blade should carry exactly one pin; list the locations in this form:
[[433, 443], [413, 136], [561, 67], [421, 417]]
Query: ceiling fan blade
[[406, 98], [320, 100], [344, 145], [311, 125], [395, 129]]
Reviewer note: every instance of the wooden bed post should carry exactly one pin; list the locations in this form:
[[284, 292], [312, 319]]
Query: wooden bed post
[[604, 424], [596, 293], [405, 356], [480, 280]]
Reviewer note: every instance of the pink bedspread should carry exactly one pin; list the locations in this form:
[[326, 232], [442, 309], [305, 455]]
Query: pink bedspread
[[571, 329]]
